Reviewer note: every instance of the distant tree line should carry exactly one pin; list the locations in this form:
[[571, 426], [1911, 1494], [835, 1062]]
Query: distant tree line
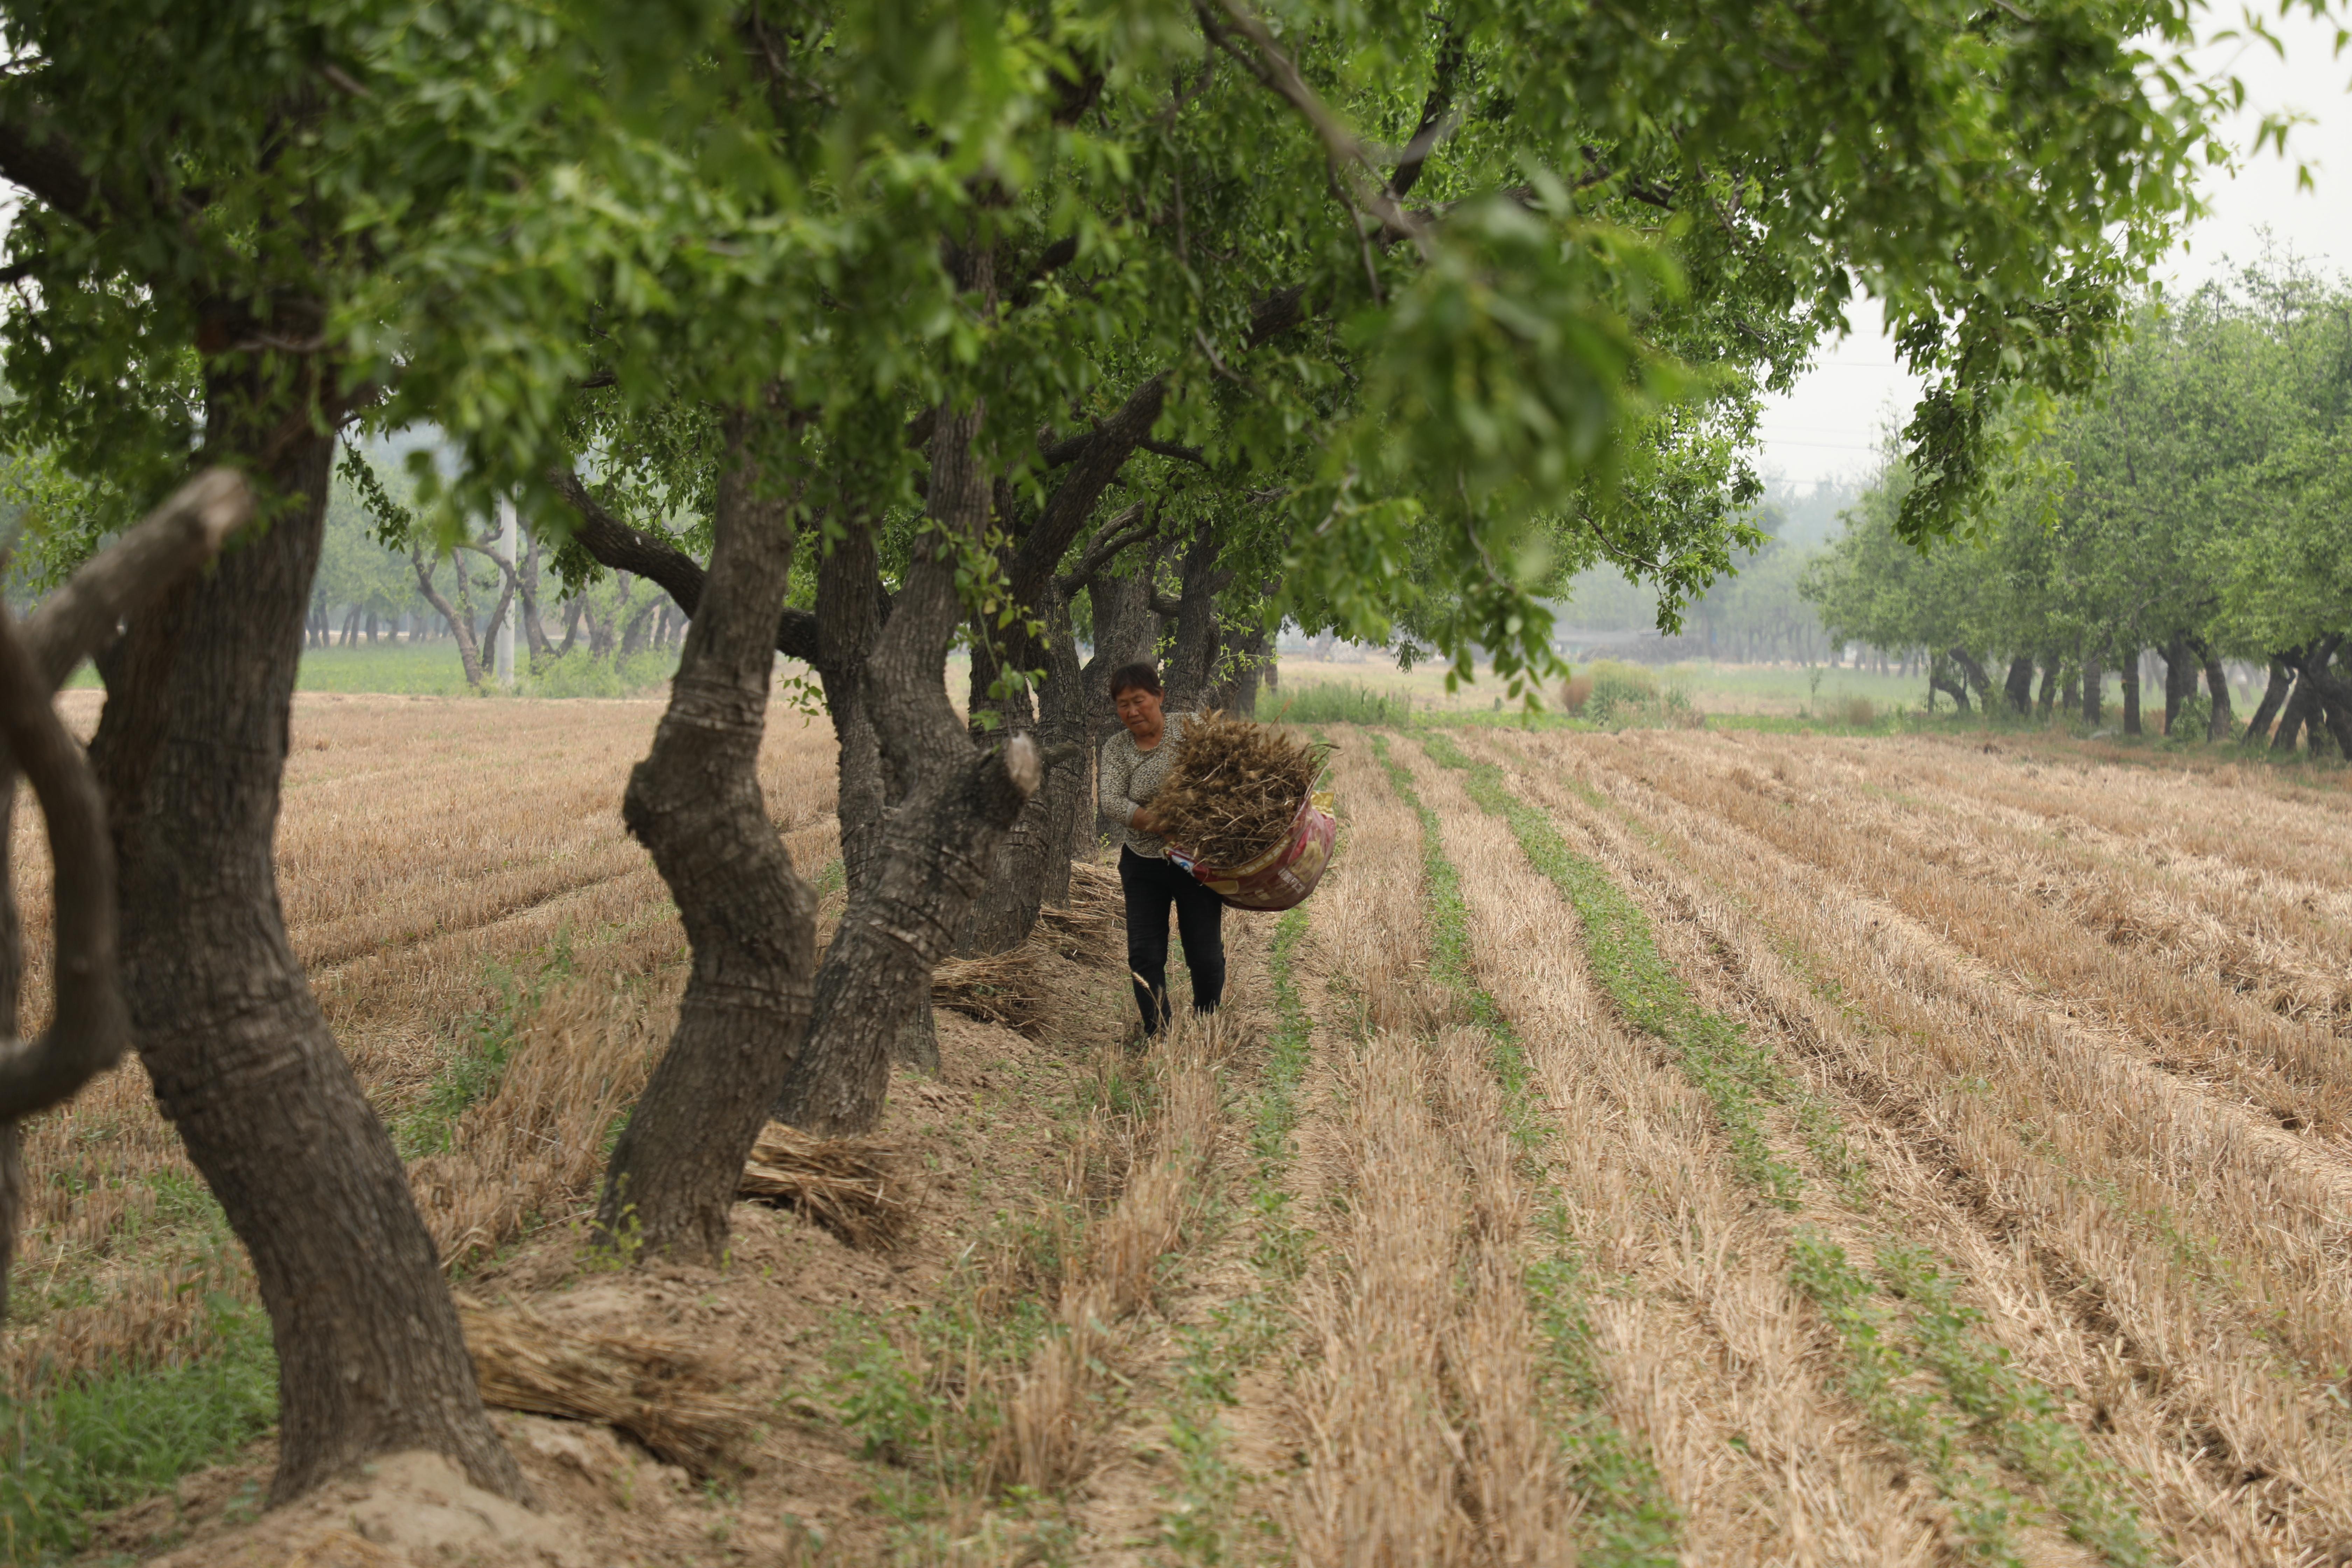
[[2198, 505]]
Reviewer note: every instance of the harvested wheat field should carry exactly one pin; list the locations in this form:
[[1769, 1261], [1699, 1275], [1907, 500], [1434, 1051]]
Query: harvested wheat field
[[1667, 1147]]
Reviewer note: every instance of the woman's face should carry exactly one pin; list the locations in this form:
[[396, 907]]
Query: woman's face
[[1140, 710]]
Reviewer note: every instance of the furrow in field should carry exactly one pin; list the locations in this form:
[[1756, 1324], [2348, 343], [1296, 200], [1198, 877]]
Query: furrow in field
[[1710, 1354], [2247, 820], [2296, 1070], [1368, 1406], [2284, 945], [2282, 950], [2011, 1151]]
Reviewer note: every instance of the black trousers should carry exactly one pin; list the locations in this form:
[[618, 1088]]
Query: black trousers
[[1151, 886]]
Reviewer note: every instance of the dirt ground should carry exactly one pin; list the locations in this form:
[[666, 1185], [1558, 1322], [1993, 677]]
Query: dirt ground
[[1665, 1147]]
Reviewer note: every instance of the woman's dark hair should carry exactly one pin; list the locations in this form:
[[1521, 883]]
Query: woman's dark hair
[[1137, 677]]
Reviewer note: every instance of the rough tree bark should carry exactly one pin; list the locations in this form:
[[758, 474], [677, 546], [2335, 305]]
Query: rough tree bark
[[2330, 712], [2127, 667], [2300, 701], [955, 801], [191, 749], [1973, 671], [2095, 682], [850, 602], [1940, 679], [2179, 678], [1250, 667], [1033, 862], [695, 804], [2045, 700]]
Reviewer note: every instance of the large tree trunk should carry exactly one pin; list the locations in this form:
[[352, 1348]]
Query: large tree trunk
[[2219, 721], [2128, 666], [2017, 690], [954, 802], [1193, 662], [191, 747], [1250, 665], [2179, 679], [2331, 699], [2045, 700], [1034, 863], [2258, 728], [2300, 702], [2095, 682], [1974, 671], [695, 803], [461, 626], [849, 602]]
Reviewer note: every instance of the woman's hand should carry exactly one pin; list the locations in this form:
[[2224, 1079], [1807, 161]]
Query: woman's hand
[[1143, 820]]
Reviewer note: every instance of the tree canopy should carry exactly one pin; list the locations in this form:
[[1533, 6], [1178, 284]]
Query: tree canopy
[[1450, 305]]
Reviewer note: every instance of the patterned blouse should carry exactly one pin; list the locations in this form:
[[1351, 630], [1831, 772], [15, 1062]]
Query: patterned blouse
[[1131, 776]]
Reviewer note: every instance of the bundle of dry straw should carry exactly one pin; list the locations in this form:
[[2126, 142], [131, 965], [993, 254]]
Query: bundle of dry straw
[[1009, 988], [664, 1394], [1235, 788], [857, 1188]]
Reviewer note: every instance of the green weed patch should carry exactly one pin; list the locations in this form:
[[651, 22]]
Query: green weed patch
[[90, 1445]]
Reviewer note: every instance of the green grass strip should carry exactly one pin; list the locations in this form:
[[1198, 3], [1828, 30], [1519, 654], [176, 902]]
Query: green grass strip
[[1628, 1521], [2015, 1416], [1737, 1077], [76, 1450]]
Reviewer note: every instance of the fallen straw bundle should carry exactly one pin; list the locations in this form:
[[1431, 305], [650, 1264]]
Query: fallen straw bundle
[[855, 1187], [1234, 789], [1091, 927], [664, 1394], [996, 988]]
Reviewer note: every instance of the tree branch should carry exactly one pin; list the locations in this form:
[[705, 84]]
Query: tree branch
[[91, 1027], [617, 545], [1133, 526], [1347, 153], [1072, 501], [51, 168], [182, 534]]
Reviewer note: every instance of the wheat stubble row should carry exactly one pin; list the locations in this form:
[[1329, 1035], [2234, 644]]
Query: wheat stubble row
[[2282, 946], [425, 847], [1711, 1357], [2296, 1070], [2058, 1170]]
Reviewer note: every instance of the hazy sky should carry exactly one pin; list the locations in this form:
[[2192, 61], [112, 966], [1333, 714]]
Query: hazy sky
[[1828, 426]]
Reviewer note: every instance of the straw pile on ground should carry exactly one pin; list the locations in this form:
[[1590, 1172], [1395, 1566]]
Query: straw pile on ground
[[1234, 789], [1091, 927], [664, 1394], [1007, 988], [857, 1188]]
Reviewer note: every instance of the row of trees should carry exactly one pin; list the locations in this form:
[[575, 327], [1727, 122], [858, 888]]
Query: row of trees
[[954, 324], [2199, 504]]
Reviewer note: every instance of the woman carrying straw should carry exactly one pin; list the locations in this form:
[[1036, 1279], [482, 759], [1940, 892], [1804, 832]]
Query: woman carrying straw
[[1134, 765]]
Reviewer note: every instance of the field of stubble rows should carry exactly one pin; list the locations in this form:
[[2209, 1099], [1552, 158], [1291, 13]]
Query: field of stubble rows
[[1651, 1148]]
